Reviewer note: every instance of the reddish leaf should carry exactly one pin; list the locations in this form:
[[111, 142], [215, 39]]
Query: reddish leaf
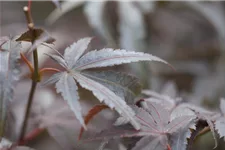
[[92, 112]]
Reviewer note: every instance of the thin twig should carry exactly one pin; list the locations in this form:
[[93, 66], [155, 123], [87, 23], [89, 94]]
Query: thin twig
[[35, 76], [25, 121], [27, 62], [35, 54], [29, 5]]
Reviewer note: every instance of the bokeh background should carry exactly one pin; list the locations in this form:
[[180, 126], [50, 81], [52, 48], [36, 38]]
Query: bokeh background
[[189, 35]]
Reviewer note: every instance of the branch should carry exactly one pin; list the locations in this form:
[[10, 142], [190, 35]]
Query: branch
[[35, 76], [29, 5]]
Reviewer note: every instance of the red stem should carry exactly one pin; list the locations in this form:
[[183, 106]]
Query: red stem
[[27, 62], [49, 69], [29, 5], [30, 136]]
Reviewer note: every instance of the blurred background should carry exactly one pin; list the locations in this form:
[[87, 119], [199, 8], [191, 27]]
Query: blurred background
[[188, 35]]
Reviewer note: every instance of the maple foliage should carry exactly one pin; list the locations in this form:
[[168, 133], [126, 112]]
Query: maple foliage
[[91, 113], [163, 120], [156, 126], [75, 61]]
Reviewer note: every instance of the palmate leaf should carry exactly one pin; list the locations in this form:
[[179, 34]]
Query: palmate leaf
[[153, 130], [9, 74], [154, 133], [107, 89]]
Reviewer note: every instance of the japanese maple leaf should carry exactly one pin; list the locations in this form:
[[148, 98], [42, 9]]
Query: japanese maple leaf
[[156, 126], [75, 62], [9, 75], [177, 109]]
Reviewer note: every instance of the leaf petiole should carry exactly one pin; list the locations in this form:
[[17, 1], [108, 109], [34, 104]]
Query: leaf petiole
[[30, 66], [48, 69]]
